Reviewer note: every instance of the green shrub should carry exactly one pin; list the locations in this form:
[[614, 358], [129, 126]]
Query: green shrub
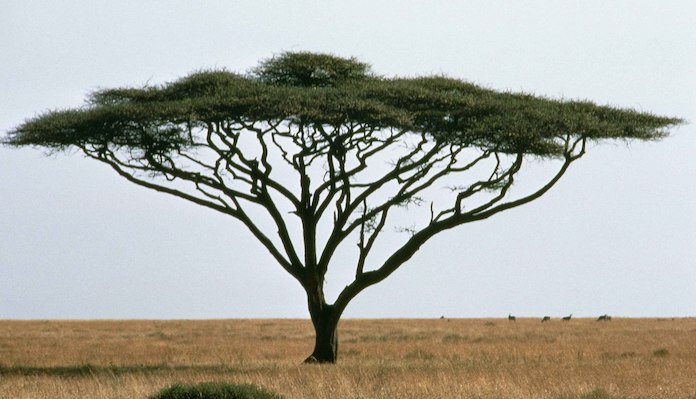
[[662, 352], [419, 355], [596, 394], [215, 391]]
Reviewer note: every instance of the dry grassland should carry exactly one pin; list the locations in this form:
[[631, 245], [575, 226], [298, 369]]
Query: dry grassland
[[458, 358]]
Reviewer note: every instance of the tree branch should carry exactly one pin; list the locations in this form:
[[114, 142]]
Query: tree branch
[[406, 251]]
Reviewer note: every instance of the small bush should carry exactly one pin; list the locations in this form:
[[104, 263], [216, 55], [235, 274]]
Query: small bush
[[451, 338], [596, 394], [662, 352], [215, 391], [419, 355]]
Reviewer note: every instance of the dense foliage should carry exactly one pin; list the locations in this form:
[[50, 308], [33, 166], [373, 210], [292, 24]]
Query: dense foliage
[[307, 89]]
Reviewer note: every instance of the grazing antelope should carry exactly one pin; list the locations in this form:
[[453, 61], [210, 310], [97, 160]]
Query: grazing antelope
[[512, 318], [604, 317], [545, 319], [567, 318]]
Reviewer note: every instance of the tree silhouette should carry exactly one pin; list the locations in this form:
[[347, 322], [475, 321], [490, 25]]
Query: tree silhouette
[[315, 154]]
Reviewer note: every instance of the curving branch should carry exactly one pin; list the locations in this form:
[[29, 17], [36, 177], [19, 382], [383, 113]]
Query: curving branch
[[574, 149], [215, 192]]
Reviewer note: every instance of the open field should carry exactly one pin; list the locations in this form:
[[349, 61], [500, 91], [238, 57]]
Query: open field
[[450, 358]]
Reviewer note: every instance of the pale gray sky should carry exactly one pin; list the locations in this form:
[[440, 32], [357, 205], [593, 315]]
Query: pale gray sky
[[617, 235]]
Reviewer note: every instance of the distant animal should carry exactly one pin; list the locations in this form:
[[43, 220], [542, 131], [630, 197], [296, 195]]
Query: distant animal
[[604, 317], [512, 318], [545, 319], [567, 318]]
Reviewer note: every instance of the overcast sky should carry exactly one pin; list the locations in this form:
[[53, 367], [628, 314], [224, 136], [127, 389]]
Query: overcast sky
[[617, 235]]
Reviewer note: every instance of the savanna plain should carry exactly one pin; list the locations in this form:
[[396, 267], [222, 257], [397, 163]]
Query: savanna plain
[[400, 358]]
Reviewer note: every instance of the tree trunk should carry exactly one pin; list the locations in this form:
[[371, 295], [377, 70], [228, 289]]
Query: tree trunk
[[325, 323]]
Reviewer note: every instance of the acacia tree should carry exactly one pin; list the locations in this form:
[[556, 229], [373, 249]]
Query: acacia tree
[[314, 154]]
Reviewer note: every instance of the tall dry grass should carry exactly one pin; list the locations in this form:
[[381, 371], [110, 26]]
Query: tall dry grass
[[457, 358]]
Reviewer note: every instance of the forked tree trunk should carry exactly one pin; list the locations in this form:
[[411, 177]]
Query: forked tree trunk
[[325, 323]]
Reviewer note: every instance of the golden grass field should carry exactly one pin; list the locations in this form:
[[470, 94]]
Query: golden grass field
[[421, 358]]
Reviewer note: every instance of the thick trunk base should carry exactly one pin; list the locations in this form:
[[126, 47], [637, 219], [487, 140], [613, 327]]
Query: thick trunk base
[[325, 348], [326, 341]]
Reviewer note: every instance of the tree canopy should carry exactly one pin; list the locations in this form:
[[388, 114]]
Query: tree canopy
[[309, 145], [314, 89]]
